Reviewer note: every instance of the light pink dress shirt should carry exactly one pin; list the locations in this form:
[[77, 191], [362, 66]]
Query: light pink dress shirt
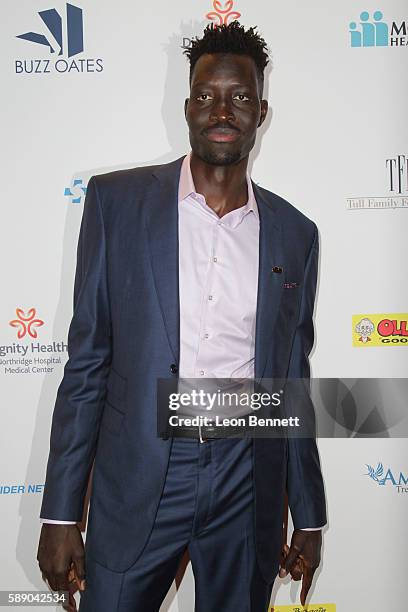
[[218, 283]]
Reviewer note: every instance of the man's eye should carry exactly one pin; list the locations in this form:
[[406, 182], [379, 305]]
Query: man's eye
[[204, 97], [241, 97]]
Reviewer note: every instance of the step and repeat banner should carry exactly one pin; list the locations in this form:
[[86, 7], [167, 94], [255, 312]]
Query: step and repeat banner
[[93, 86]]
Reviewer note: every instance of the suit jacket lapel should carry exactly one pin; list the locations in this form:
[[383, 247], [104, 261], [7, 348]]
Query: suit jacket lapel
[[270, 284], [162, 229]]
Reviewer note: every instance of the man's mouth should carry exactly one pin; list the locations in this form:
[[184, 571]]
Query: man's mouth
[[223, 134]]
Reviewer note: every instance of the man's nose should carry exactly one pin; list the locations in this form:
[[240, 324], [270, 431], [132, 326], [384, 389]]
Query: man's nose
[[221, 110]]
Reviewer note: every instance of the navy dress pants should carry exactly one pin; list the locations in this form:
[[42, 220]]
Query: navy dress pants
[[206, 507]]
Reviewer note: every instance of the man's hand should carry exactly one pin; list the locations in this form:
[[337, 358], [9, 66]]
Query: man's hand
[[302, 558], [61, 557]]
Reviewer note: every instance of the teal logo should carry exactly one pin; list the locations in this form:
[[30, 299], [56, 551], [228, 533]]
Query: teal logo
[[387, 477], [76, 192], [369, 32], [373, 31]]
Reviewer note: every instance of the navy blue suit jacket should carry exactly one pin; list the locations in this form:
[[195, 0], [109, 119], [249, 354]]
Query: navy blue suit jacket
[[124, 335]]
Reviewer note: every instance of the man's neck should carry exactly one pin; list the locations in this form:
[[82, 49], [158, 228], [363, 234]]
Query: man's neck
[[224, 187]]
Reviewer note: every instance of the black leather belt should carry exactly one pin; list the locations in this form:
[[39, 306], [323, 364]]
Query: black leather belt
[[207, 432]]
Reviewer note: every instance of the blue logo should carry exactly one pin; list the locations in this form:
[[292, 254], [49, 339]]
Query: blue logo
[[383, 478], [374, 32], [52, 19], [76, 191], [369, 33]]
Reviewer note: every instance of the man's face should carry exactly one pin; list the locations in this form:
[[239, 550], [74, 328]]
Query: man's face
[[225, 108]]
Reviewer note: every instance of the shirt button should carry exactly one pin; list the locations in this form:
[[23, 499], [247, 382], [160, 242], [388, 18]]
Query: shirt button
[[210, 297], [214, 259], [206, 336], [202, 372]]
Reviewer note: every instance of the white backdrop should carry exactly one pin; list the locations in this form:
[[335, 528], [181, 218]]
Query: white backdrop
[[337, 114]]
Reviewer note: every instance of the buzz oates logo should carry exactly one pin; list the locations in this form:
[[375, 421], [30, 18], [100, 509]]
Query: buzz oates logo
[[29, 355], [388, 478], [395, 173], [61, 38], [222, 13]]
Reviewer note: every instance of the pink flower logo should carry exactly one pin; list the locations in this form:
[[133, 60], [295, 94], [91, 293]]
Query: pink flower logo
[[26, 323], [223, 13]]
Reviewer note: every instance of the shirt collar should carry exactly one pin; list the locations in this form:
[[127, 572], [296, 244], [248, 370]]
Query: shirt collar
[[187, 188]]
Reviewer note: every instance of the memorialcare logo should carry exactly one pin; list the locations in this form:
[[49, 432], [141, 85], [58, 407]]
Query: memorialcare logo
[[387, 477], [380, 330], [310, 608], [222, 13], [27, 355], [58, 36], [372, 30], [394, 170]]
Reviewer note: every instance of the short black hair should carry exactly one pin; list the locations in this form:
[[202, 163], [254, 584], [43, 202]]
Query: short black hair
[[231, 38]]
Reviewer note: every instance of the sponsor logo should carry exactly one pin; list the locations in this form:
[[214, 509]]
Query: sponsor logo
[[310, 608], [26, 323], [383, 477], [61, 38], [396, 182], [222, 13], [24, 357], [76, 192], [21, 489], [374, 31], [380, 330]]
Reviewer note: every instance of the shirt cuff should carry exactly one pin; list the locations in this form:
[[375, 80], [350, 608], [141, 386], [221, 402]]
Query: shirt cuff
[[51, 521], [313, 528]]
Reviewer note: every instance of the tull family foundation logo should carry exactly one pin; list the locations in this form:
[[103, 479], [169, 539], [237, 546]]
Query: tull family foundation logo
[[383, 477], [27, 356], [380, 330], [374, 31], [395, 173], [61, 38]]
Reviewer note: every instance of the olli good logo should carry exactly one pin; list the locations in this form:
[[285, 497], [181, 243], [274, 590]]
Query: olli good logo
[[380, 329], [54, 40], [26, 323]]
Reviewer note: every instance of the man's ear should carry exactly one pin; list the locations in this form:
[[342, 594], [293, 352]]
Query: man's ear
[[185, 107], [264, 111]]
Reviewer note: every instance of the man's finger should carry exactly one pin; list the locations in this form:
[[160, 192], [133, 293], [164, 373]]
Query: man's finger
[[289, 561], [79, 569], [306, 584]]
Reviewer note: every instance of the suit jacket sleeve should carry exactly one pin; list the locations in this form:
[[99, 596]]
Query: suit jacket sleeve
[[304, 482], [80, 398]]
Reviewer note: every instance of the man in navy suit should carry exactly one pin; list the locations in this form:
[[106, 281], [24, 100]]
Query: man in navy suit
[[189, 270]]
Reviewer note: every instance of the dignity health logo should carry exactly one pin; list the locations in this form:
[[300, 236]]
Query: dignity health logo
[[388, 477], [373, 31], [53, 39]]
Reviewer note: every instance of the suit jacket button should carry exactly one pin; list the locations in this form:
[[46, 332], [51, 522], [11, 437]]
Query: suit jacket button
[[173, 368]]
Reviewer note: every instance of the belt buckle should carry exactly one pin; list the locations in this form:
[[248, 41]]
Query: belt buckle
[[202, 440]]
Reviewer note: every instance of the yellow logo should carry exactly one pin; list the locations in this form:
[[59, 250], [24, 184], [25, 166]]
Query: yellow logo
[[308, 608], [380, 329]]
